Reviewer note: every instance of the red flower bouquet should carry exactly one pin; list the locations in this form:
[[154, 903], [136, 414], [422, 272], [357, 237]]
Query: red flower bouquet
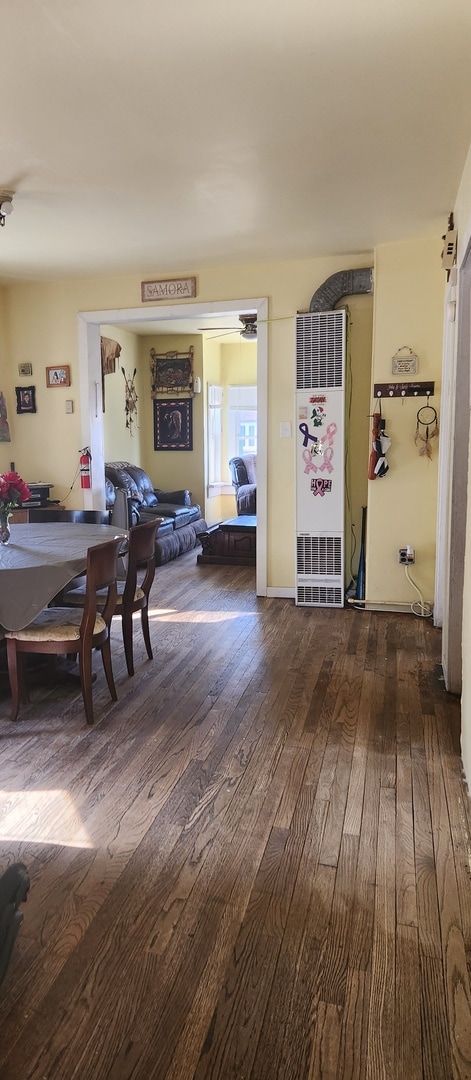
[[13, 491]]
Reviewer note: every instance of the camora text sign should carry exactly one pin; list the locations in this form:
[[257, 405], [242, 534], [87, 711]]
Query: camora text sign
[[168, 289]]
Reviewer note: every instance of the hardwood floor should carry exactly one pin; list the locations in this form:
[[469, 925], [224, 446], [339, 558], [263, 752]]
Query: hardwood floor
[[256, 865]]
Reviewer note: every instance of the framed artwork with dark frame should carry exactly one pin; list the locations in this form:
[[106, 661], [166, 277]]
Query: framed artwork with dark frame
[[173, 424], [58, 376], [25, 399], [172, 372]]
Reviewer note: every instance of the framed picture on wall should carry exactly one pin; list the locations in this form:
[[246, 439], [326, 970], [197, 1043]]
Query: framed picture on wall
[[173, 424], [58, 376], [172, 372], [25, 399]]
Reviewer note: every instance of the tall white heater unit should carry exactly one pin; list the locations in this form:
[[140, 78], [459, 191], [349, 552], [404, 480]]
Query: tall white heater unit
[[320, 458]]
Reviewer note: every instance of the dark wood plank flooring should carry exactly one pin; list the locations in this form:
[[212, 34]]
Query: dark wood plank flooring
[[256, 865]]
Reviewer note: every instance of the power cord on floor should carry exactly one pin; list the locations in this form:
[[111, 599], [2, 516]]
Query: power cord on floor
[[425, 610], [77, 474]]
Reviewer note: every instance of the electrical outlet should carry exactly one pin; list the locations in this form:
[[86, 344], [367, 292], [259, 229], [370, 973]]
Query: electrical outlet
[[406, 555]]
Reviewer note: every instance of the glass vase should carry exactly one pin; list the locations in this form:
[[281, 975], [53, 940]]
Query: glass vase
[[4, 528]]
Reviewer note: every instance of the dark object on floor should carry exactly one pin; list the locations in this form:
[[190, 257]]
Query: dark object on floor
[[14, 885], [233, 541], [360, 590]]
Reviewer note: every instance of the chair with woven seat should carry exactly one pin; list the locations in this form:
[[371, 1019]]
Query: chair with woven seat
[[58, 630], [133, 594]]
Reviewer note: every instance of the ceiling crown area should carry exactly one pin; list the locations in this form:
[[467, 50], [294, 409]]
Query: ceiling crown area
[[164, 137]]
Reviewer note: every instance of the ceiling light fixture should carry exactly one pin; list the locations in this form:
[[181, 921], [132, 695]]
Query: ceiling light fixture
[[250, 333], [6, 207]]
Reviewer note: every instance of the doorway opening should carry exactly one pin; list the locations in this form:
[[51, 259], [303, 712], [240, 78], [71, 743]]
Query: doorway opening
[[89, 324]]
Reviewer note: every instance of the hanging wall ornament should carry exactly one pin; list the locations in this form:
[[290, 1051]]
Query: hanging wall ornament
[[383, 444], [4, 426], [405, 362], [131, 399], [426, 430], [380, 443]]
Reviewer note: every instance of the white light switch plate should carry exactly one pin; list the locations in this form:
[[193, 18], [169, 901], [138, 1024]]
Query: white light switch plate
[[285, 429]]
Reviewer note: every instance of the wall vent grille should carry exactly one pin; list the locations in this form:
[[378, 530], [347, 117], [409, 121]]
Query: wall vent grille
[[319, 595], [320, 349], [319, 555]]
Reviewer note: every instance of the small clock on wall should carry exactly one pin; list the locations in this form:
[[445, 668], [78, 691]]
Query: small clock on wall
[[405, 362]]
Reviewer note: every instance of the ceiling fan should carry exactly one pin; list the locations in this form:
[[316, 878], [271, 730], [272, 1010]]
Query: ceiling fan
[[248, 331]]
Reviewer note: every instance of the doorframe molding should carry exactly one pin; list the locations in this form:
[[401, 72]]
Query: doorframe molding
[[89, 323], [452, 503]]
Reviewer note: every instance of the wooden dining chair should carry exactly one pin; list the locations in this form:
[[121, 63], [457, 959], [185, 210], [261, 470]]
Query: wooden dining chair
[[58, 630], [133, 593]]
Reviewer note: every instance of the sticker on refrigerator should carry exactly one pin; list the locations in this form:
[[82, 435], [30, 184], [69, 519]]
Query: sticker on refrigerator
[[320, 486]]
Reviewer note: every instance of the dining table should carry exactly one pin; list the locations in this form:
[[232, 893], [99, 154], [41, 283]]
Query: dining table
[[39, 561]]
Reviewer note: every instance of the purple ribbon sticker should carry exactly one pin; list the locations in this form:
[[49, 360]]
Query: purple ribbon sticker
[[306, 436]]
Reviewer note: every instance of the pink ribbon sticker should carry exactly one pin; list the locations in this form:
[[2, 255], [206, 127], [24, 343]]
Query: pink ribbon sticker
[[327, 447], [309, 463], [319, 486]]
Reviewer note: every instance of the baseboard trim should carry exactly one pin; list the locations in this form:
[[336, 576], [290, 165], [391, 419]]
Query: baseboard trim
[[283, 594]]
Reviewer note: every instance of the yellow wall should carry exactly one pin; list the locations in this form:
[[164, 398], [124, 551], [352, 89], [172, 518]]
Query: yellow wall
[[42, 321], [408, 310], [357, 423], [214, 504], [172, 469], [122, 443], [5, 382]]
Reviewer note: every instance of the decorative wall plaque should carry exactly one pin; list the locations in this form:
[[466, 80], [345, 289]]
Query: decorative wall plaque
[[172, 372], [405, 362], [168, 289], [173, 425]]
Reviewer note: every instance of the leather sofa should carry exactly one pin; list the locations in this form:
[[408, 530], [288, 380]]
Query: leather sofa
[[182, 522], [244, 480]]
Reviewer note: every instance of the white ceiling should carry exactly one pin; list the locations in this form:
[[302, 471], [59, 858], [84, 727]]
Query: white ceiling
[[225, 328], [152, 137]]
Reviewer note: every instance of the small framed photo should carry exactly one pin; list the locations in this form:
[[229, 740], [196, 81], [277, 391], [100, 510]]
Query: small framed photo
[[25, 369], [173, 428], [25, 399], [58, 376]]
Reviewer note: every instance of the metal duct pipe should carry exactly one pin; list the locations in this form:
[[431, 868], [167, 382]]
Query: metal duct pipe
[[344, 283]]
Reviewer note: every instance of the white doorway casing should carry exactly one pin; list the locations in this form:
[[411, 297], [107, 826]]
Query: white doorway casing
[[89, 323], [453, 476]]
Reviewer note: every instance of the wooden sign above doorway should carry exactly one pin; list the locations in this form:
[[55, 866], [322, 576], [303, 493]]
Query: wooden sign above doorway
[[169, 289]]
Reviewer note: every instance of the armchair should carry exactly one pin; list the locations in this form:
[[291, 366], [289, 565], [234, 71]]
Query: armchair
[[244, 481]]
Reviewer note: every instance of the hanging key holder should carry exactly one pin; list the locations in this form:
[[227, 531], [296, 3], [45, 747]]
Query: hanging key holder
[[426, 430]]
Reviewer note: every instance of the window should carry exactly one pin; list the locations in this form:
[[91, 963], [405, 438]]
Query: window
[[215, 403], [242, 407], [231, 430]]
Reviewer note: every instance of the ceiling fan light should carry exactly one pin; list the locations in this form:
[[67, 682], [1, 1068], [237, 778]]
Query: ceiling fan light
[[6, 206], [250, 332]]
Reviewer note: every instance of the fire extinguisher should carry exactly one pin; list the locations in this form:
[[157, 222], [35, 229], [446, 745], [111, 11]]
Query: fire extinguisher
[[85, 468]]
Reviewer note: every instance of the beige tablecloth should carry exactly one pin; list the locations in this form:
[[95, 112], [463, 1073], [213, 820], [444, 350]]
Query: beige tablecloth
[[39, 560]]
